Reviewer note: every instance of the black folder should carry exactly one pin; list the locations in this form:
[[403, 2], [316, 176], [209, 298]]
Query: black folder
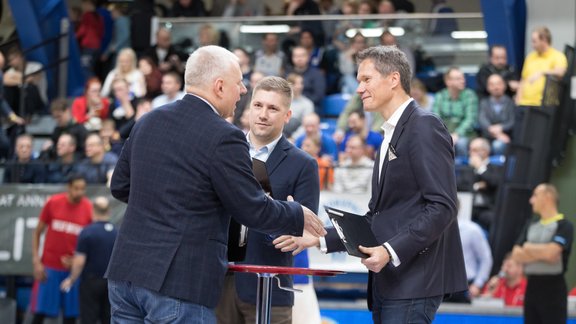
[[353, 230]]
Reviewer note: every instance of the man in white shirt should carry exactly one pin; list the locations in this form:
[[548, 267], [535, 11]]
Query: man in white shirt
[[171, 90]]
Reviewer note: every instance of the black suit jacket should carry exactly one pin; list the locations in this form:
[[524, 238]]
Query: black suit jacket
[[183, 171], [291, 172], [413, 208]]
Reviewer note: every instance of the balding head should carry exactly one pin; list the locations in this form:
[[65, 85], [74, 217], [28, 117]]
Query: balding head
[[101, 206], [213, 73]]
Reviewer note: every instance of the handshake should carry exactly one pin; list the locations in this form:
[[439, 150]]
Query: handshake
[[313, 229]]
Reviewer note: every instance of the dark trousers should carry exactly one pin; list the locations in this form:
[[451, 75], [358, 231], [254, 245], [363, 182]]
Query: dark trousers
[[419, 310], [546, 301], [94, 303]]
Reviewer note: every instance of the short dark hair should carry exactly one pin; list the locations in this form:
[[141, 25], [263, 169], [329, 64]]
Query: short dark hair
[[492, 47], [59, 104], [73, 177]]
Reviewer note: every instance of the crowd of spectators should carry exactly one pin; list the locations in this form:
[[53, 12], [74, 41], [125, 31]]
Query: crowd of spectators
[[318, 59]]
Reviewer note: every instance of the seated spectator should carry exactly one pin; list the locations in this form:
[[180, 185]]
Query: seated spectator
[[305, 8], [164, 54], [354, 173], [111, 137], [244, 103], [347, 9], [269, 60], [143, 106], [457, 106], [244, 8], [312, 145], [122, 108], [543, 60], [498, 64], [509, 284], [307, 41], [367, 7], [188, 8], [477, 260], [301, 106], [64, 124], [120, 34], [28, 74], [126, 69], [374, 121], [245, 64], [171, 90], [91, 108], [419, 92], [152, 76], [208, 35], [314, 81], [387, 39], [98, 165], [496, 115], [311, 124], [412, 27], [357, 126], [487, 179], [8, 114], [66, 158], [347, 63], [89, 34], [24, 168]]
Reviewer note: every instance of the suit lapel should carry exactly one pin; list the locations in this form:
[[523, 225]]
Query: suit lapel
[[277, 155], [398, 130]]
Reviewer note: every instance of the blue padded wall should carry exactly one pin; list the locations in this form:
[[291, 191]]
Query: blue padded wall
[[37, 21]]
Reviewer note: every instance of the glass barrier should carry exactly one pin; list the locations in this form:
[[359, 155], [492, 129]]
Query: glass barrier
[[436, 41]]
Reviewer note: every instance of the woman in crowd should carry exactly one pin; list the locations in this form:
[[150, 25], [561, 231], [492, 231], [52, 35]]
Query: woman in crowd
[[152, 76], [91, 108], [419, 92], [126, 69]]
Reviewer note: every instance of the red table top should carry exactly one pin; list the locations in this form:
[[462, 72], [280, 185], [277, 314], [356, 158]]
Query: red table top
[[282, 270]]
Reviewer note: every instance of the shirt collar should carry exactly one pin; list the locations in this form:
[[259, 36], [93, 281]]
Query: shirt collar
[[206, 101], [391, 123], [552, 220], [264, 151]]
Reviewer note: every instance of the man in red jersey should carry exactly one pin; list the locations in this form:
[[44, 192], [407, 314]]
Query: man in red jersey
[[62, 218]]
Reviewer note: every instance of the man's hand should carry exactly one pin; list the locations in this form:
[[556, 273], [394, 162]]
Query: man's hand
[[378, 257], [39, 273], [312, 223], [296, 244], [474, 291], [66, 284]]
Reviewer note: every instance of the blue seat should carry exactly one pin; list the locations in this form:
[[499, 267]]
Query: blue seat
[[334, 104], [497, 160], [328, 125]]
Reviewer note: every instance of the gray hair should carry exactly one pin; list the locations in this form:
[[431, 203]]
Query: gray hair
[[275, 84], [207, 64], [388, 59]]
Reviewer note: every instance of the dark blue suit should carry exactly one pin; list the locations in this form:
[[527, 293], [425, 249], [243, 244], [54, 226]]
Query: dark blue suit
[[291, 172], [413, 208], [184, 171]]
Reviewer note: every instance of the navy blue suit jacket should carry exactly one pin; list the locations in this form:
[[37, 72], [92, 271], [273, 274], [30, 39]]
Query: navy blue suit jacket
[[183, 171], [413, 208], [291, 172]]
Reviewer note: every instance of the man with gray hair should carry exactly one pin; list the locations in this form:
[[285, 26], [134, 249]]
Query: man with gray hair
[[412, 212], [183, 171]]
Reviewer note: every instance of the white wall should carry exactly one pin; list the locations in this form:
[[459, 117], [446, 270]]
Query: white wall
[[557, 15]]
